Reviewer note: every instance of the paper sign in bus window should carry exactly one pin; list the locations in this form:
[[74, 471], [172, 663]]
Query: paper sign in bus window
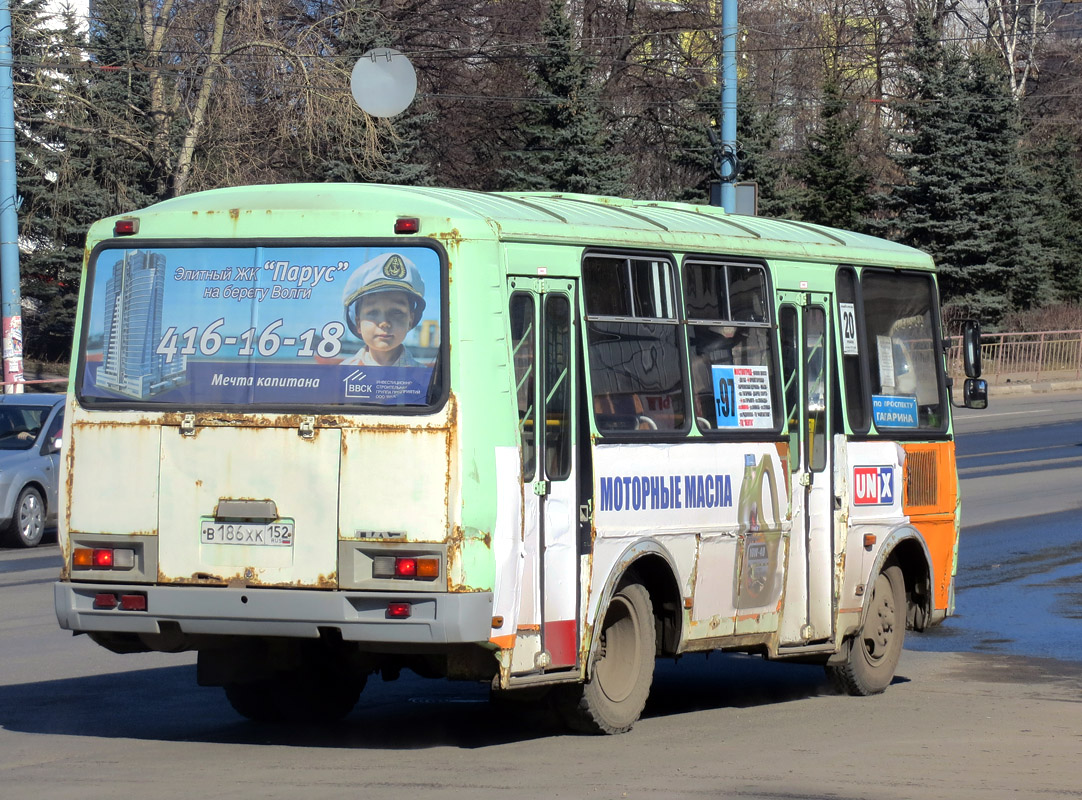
[[885, 347], [848, 315], [742, 397]]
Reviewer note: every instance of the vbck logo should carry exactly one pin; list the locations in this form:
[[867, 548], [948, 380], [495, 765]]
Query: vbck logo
[[358, 384], [873, 486]]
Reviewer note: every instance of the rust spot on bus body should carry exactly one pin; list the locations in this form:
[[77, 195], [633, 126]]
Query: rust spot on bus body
[[247, 577], [454, 553], [69, 473], [451, 239]]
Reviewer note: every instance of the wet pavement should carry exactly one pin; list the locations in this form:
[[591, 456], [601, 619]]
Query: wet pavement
[[1018, 591], [1019, 582]]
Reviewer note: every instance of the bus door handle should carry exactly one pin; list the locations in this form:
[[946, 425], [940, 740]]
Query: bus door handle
[[541, 488]]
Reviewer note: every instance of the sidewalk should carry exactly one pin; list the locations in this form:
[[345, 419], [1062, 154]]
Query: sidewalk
[[1033, 387]]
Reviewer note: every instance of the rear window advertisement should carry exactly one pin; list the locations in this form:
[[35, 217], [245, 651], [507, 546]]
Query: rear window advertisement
[[264, 325]]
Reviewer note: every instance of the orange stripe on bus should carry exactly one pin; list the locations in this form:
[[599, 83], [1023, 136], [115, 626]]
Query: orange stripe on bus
[[930, 498]]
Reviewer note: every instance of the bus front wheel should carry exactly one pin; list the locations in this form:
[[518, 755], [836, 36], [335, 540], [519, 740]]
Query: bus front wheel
[[614, 697], [867, 661]]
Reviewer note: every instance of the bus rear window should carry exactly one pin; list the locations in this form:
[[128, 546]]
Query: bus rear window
[[263, 325]]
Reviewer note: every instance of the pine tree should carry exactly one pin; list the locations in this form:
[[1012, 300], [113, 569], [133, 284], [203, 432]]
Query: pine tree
[[1018, 260], [567, 146], [82, 153], [760, 160], [835, 184], [963, 195], [128, 165], [1058, 200], [61, 194], [757, 139], [694, 153]]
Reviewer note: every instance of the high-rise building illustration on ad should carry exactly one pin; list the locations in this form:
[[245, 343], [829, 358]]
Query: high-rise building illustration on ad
[[131, 364]]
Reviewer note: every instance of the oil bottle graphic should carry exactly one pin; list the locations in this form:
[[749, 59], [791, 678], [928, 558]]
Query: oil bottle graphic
[[759, 581]]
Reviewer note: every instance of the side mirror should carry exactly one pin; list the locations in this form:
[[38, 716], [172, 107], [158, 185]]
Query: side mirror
[[975, 393], [971, 349], [53, 446]]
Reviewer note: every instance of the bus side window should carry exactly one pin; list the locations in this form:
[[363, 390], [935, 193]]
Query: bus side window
[[727, 326], [523, 355], [790, 356], [636, 369], [557, 369], [850, 323]]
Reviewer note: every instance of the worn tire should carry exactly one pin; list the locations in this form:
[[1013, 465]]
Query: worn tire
[[869, 659], [296, 697], [28, 519], [621, 675]]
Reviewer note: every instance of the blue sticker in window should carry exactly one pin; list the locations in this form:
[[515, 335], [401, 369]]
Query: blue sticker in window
[[894, 412], [724, 396]]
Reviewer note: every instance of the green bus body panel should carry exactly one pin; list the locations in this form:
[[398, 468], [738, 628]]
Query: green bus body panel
[[488, 237], [452, 215]]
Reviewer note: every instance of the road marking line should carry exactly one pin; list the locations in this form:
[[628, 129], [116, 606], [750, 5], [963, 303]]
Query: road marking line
[[1019, 450], [1009, 413]]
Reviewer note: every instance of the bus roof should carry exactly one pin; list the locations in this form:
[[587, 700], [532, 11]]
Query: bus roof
[[462, 214]]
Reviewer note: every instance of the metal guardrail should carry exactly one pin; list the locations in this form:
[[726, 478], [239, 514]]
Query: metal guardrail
[[1024, 356]]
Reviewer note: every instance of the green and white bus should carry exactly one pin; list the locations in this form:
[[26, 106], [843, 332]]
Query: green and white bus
[[317, 432]]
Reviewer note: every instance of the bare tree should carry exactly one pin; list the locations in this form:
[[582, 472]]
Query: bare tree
[[1016, 28]]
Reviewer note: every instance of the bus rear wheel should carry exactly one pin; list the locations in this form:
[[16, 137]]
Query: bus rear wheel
[[620, 680], [296, 697], [869, 659]]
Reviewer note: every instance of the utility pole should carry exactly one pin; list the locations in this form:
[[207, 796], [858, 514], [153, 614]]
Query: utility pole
[[725, 150], [9, 217]]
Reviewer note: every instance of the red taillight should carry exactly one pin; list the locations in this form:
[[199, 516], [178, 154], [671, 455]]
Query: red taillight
[[105, 600], [407, 225], [405, 567], [126, 227], [399, 610], [133, 602], [103, 559]]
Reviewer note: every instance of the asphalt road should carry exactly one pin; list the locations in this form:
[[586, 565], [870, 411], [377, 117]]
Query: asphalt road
[[1019, 584], [79, 722]]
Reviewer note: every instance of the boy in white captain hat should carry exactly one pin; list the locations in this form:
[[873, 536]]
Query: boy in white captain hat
[[384, 299]]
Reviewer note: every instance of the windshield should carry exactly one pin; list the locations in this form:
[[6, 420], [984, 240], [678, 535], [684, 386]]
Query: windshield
[[907, 389], [263, 325], [20, 426]]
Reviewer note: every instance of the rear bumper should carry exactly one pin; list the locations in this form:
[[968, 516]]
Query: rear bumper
[[436, 618]]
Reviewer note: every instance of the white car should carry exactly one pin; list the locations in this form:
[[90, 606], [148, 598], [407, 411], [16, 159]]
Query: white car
[[30, 438]]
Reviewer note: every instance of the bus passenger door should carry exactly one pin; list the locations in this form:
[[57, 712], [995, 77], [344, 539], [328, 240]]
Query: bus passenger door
[[804, 323], [544, 344]]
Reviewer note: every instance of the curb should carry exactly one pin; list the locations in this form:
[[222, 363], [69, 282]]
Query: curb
[[1037, 387]]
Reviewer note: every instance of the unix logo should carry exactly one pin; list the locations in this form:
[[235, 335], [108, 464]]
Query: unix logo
[[873, 486]]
